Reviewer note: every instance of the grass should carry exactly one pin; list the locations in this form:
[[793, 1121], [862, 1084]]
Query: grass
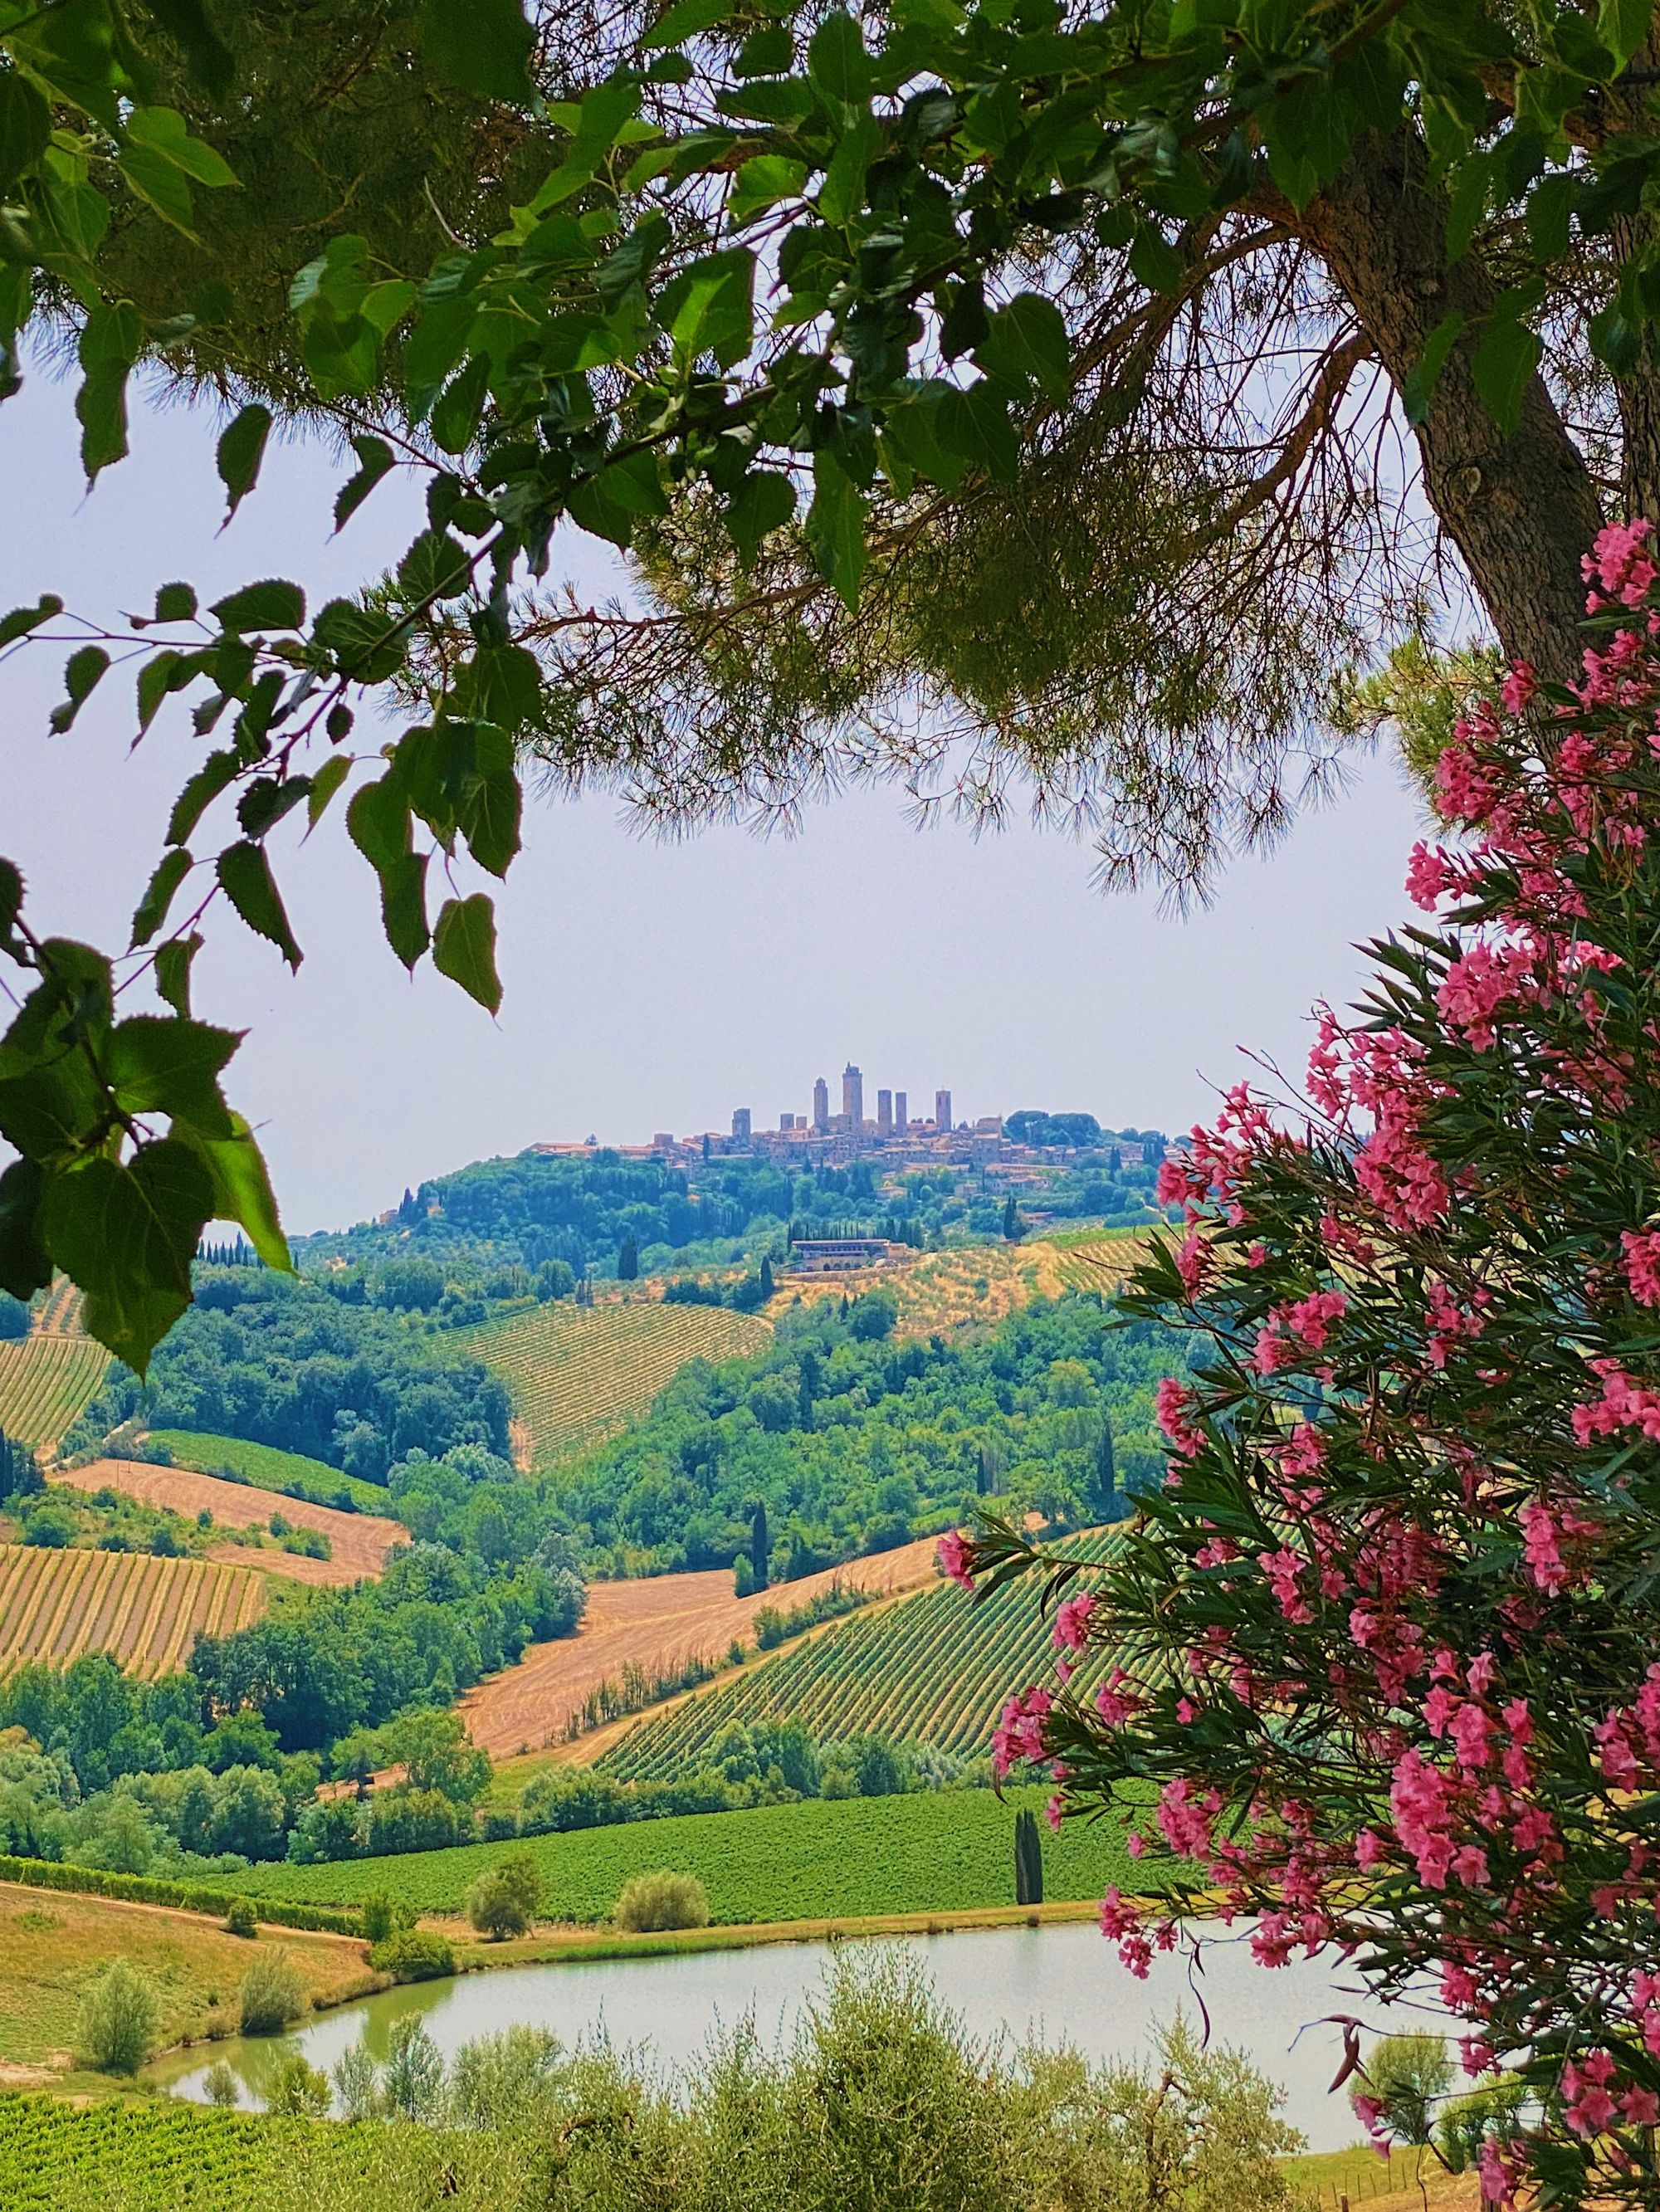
[[1322, 2179], [264, 1467], [52, 1943], [835, 1859]]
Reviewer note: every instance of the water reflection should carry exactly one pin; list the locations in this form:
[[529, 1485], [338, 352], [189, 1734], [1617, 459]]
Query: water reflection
[[1055, 1983]]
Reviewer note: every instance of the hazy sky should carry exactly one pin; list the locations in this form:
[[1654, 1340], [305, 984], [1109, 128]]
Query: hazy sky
[[647, 986]]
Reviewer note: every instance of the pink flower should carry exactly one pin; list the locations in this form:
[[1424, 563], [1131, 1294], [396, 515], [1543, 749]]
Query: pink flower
[[1172, 1409], [955, 1556], [1642, 1251], [1114, 1700], [1071, 1622]]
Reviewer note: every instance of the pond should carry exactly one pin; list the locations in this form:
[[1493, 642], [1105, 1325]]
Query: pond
[[1059, 1983]]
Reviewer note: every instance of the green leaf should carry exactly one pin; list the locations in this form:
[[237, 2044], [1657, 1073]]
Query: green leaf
[[435, 566], [1503, 365], [841, 194], [109, 343], [501, 683], [152, 911], [85, 666], [172, 967], [464, 948], [762, 182], [168, 1064], [216, 775], [126, 1235], [242, 449], [836, 527], [1029, 338], [163, 132], [175, 603], [1622, 26], [25, 1264], [762, 502], [838, 67], [459, 407], [976, 424], [709, 307], [404, 905], [242, 1191], [1420, 383], [479, 45], [22, 620], [244, 872], [377, 458], [683, 21], [25, 127], [185, 22], [378, 821], [11, 898], [273, 603], [1154, 261], [161, 185], [323, 785]]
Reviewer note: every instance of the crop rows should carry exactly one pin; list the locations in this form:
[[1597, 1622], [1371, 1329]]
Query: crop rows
[[145, 1611], [60, 1313], [46, 1381], [578, 1374], [932, 1668]]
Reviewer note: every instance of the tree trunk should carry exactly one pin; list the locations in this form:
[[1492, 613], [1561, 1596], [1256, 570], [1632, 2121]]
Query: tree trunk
[[1521, 510]]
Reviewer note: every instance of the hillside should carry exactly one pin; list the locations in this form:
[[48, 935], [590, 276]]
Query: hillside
[[979, 1284], [578, 1374], [145, 1612], [47, 1379], [655, 1623], [292, 1474], [359, 1541], [935, 1667]]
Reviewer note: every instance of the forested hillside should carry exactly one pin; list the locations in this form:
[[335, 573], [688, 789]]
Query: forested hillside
[[852, 1441]]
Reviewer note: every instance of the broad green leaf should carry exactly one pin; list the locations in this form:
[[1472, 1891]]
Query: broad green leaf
[[22, 620], [173, 966], [501, 683], [265, 801], [841, 194], [404, 905], [152, 911], [489, 813], [482, 46], [684, 20], [243, 870], [85, 666], [166, 1064], [323, 785], [1154, 261], [161, 185], [377, 458], [1622, 26], [126, 1235], [242, 1191], [363, 643], [459, 407], [175, 603], [1503, 364], [762, 502], [435, 568], [710, 308], [25, 127], [25, 1263], [242, 449], [378, 821], [762, 182], [163, 131], [464, 948], [836, 527], [1029, 338], [185, 22], [975, 424], [110, 340], [838, 67], [272, 604], [163, 673]]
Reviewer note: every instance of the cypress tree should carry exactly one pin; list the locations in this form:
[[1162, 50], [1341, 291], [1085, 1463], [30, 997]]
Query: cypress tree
[[760, 1543], [1028, 1859]]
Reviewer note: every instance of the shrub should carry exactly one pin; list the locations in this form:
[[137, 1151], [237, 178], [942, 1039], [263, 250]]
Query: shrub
[[507, 1899], [117, 2020], [1401, 2085], [381, 1917], [239, 1920], [297, 2091], [661, 1900], [221, 2087], [272, 1994], [413, 1955]]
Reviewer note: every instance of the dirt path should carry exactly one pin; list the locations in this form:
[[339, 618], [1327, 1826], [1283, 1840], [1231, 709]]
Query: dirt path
[[361, 1540], [658, 1622]]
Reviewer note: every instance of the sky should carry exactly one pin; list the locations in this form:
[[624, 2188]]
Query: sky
[[647, 986]]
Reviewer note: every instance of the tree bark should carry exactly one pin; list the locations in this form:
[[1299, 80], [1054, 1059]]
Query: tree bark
[[1521, 510]]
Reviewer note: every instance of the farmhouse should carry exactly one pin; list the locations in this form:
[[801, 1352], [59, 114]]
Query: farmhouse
[[840, 1255]]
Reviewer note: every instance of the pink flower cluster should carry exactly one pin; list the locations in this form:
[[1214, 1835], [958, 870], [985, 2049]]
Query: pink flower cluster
[[1619, 566], [1625, 1404], [1302, 1325], [1545, 1528], [955, 1556], [1629, 1738], [1172, 1409], [1071, 1622], [1642, 1264], [1019, 1733]]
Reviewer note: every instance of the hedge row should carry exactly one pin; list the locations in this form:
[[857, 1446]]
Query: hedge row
[[139, 1889]]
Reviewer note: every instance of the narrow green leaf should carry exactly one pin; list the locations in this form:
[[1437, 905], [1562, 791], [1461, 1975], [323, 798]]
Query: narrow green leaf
[[323, 785], [25, 1264], [464, 948], [838, 67], [404, 905], [841, 194], [216, 775], [172, 967], [377, 458], [152, 911], [836, 527], [110, 340], [25, 127], [244, 872], [241, 450], [1419, 384], [81, 672], [1503, 365]]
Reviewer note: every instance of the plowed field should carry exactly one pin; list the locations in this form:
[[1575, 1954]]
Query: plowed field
[[145, 1612], [658, 1623], [360, 1540]]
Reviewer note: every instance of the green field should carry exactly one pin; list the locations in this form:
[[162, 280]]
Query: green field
[[838, 1859], [174, 2157], [578, 1374], [46, 1381], [264, 1467], [933, 1669]]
